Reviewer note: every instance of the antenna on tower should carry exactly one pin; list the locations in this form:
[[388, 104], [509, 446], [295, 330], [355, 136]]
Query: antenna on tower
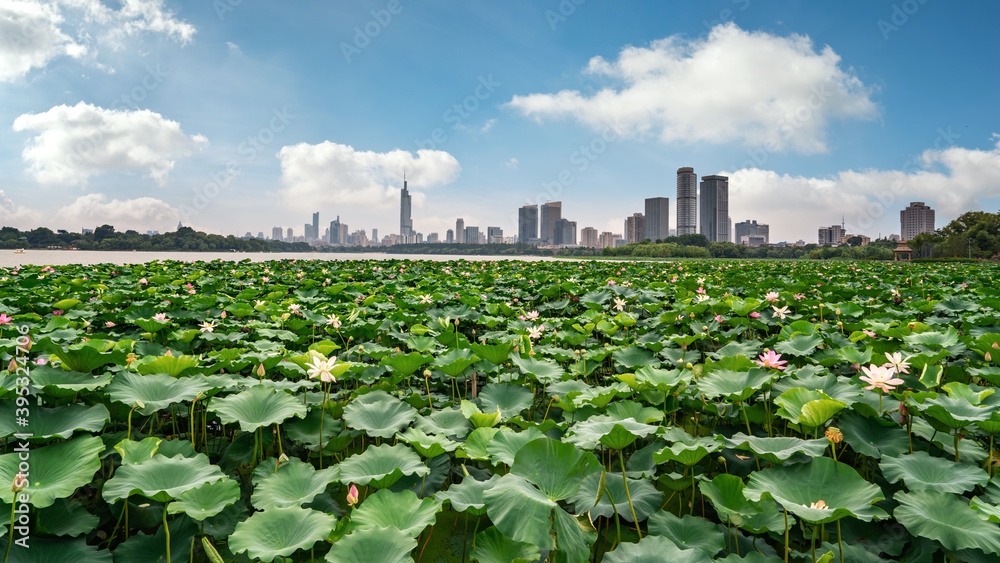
[[843, 223]]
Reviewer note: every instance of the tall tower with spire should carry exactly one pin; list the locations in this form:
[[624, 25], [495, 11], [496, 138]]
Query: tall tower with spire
[[405, 220]]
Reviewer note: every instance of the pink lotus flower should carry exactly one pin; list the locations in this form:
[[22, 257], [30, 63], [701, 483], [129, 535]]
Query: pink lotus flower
[[897, 363], [4, 319], [755, 315], [799, 296], [718, 318], [772, 296], [771, 360], [160, 317], [782, 312], [531, 315], [57, 312], [352, 495], [536, 332], [869, 333], [109, 324], [880, 377], [143, 281]]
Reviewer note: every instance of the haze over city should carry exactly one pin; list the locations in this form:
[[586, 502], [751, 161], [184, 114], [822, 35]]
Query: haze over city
[[235, 117]]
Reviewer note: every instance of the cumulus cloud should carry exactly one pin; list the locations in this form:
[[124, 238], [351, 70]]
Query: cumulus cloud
[[512, 163], [31, 38], [732, 86], [334, 174], [74, 143], [16, 215], [141, 214], [951, 180], [34, 31]]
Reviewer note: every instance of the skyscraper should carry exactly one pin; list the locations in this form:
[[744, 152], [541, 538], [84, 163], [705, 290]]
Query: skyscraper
[[657, 218], [335, 231], [449, 237], [460, 231], [551, 212], [635, 228], [750, 228], [276, 233], [715, 208], [494, 235], [831, 234], [527, 224], [471, 235], [915, 219], [405, 220], [687, 201], [588, 237], [315, 225]]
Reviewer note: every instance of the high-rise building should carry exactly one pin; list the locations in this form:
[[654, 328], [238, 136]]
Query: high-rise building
[[276, 233], [432, 238], [307, 229], [915, 219], [335, 231], [315, 225], [343, 233], [565, 232], [527, 224], [375, 236], [715, 208], [290, 235], [405, 220], [687, 201], [494, 235], [752, 228], [449, 237], [471, 235], [460, 231], [606, 239], [657, 218], [831, 234], [551, 212], [588, 237], [635, 228]]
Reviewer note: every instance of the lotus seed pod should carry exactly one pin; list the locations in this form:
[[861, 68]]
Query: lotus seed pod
[[834, 435]]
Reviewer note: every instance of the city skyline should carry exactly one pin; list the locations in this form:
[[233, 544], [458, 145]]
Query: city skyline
[[253, 115]]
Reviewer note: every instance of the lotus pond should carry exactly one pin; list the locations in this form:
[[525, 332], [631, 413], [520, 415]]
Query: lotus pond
[[386, 411]]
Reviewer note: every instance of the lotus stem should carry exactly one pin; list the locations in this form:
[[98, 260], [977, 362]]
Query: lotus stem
[[956, 445], [786, 535], [989, 467], [10, 539], [840, 542], [166, 528], [812, 543], [638, 528]]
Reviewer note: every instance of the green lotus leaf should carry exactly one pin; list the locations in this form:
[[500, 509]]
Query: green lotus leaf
[[280, 531], [954, 412], [873, 437], [445, 422], [86, 358], [645, 498], [379, 414], [305, 430], [544, 371], [66, 518], [496, 354], [293, 484], [520, 511], [933, 340], [455, 362], [58, 422], [58, 551], [736, 385], [600, 397], [478, 418], [947, 519], [476, 444], [406, 364], [510, 399], [206, 500], [633, 357], [402, 510], [134, 453], [726, 493], [506, 443], [161, 478], [812, 408], [56, 471], [778, 449], [256, 407], [797, 488], [427, 446], [468, 496], [156, 391], [620, 410], [385, 545], [688, 452], [689, 532], [61, 383], [152, 325], [381, 466], [799, 345], [173, 366], [655, 549], [663, 379], [611, 432], [494, 547], [922, 472], [555, 467], [151, 548]]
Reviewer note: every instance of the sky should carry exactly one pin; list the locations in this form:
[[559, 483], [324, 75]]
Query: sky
[[234, 116]]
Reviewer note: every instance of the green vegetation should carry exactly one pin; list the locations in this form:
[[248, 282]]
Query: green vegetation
[[106, 238], [975, 234]]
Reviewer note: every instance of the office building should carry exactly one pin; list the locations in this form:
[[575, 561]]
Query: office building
[[657, 218], [606, 239], [588, 237], [315, 225], [471, 235], [916, 219], [494, 235], [715, 208], [527, 224], [276, 233], [460, 231], [831, 234], [375, 236], [635, 228], [752, 228], [551, 212], [449, 237], [290, 235], [432, 238], [405, 220], [687, 201], [335, 231], [564, 233]]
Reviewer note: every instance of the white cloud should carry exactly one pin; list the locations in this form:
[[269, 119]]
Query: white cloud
[[141, 214], [334, 174], [17, 216], [31, 38], [488, 125], [750, 87], [951, 180], [512, 163], [74, 143], [134, 16]]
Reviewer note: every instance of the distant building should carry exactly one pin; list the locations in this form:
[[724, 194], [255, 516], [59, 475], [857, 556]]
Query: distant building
[[87, 232], [752, 228], [527, 224], [375, 236], [260, 235], [470, 235], [831, 234], [449, 237], [687, 201], [916, 219], [564, 233], [290, 236], [753, 241], [606, 239], [635, 228], [276, 233], [551, 212], [588, 237], [307, 231], [460, 231], [405, 220], [494, 235], [894, 238], [335, 231], [865, 240], [715, 208], [315, 225], [432, 238], [657, 218]]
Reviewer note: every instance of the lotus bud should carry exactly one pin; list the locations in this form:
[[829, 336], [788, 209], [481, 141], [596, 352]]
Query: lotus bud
[[555, 398], [138, 404], [689, 365], [427, 374], [361, 348], [222, 315], [260, 370], [12, 366], [903, 410], [988, 357], [834, 435], [19, 483], [352, 495], [169, 353], [837, 310], [201, 396], [995, 346], [284, 316]]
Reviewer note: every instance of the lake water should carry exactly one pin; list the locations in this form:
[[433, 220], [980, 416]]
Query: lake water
[[8, 258]]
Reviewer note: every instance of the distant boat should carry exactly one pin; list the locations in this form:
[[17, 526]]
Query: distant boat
[[19, 251]]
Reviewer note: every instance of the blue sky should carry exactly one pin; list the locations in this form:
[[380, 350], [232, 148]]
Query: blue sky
[[240, 116]]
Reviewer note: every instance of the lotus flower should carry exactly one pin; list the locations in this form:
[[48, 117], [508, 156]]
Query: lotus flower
[[771, 360], [536, 332], [880, 377], [160, 317], [897, 363], [772, 296], [4, 319], [333, 321], [782, 312], [207, 326], [321, 368], [352, 495], [619, 304], [425, 299], [531, 315]]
